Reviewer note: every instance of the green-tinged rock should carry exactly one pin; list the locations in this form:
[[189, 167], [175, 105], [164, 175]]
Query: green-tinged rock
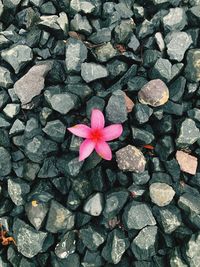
[[189, 133], [142, 113], [177, 89], [48, 8], [116, 68], [123, 31], [94, 102], [17, 190], [66, 246], [141, 136], [4, 138], [76, 53], [114, 202], [116, 111], [92, 258], [17, 127], [105, 52], [137, 215], [4, 97], [140, 178], [165, 147], [29, 241], [55, 130], [193, 250], [146, 28], [59, 218], [175, 20], [144, 245], [17, 56], [192, 69], [5, 78], [93, 71], [81, 24], [101, 36], [5, 162], [94, 204], [116, 245], [123, 10], [176, 258], [48, 169], [92, 237], [162, 70]]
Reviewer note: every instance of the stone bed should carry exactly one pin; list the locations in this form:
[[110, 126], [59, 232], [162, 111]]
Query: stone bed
[[138, 61]]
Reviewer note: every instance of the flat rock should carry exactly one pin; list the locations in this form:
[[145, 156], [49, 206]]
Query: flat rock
[[130, 158], [26, 88], [192, 69], [5, 162], [137, 215], [161, 194], [29, 241], [187, 162], [94, 205], [5, 78], [93, 71], [177, 44], [155, 93], [55, 130], [17, 56]]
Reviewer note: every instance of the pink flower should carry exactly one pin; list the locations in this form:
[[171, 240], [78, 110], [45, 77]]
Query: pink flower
[[96, 136]]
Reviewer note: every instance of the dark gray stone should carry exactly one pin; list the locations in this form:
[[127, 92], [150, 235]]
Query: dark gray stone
[[162, 70], [5, 78], [5, 162], [94, 102], [93, 71], [141, 136], [142, 113], [66, 246], [55, 130], [48, 169], [137, 215], [29, 241], [140, 178], [123, 31], [116, 68], [101, 36], [17, 190]]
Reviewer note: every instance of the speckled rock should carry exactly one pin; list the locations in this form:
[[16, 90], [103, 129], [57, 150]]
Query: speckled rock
[[94, 205], [187, 162], [192, 69], [161, 194]]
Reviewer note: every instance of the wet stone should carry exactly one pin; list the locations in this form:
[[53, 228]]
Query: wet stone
[[130, 158], [187, 163], [17, 56], [116, 108], [55, 130], [115, 247], [137, 215], [94, 205], [192, 69], [162, 70], [93, 71], [144, 244], [36, 213], [5, 162], [59, 218], [154, 93], [176, 19], [189, 133], [161, 194], [177, 44], [76, 53], [17, 190], [5, 78], [29, 241], [92, 237], [66, 246], [114, 202]]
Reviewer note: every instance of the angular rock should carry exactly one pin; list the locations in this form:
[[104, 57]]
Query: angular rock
[[177, 44], [93, 71], [192, 69], [140, 178], [101, 36], [85, 6], [141, 136], [116, 68], [144, 244], [116, 245], [193, 250], [76, 53], [189, 133], [17, 56], [161, 194], [162, 70], [116, 111], [17, 190], [176, 19], [5, 162], [137, 215], [142, 113], [17, 127], [5, 78], [59, 218], [55, 130], [26, 88], [81, 24], [11, 110], [4, 98], [155, 93], [105, 52], [130, 158], [66, 246], [134, 43], [187, 162], [176, 258], [94, 205], [29, 241]]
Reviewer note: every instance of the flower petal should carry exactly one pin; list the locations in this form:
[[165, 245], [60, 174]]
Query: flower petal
[[80, 130], [86, 149], [103, 149], [97, 119], [112, 132]]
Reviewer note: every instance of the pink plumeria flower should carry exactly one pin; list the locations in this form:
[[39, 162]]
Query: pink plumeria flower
[[96, 136]]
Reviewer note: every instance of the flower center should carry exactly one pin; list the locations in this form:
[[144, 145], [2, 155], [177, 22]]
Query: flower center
[[96, 134]]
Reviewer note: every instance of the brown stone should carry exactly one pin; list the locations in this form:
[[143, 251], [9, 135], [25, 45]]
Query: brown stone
[[129, 104], [155, 93], [187, 162]]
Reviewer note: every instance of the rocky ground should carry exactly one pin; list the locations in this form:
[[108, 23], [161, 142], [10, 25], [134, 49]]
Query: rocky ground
[[137, 61]]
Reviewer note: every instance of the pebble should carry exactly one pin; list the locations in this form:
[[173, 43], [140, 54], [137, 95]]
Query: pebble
[[162, 70], [94, 205], [137, 215], [187, 162], [192, 69], [29, 241], [11, 110], [17, 190], [161, 194], [105, 52], [5, 162], [129, 104], [5, 78], [193, 250], [93, 71], [175, 20], [142, 113], [55, 130], [26, 88], [130, 158], [155, 93], [81, 24]]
